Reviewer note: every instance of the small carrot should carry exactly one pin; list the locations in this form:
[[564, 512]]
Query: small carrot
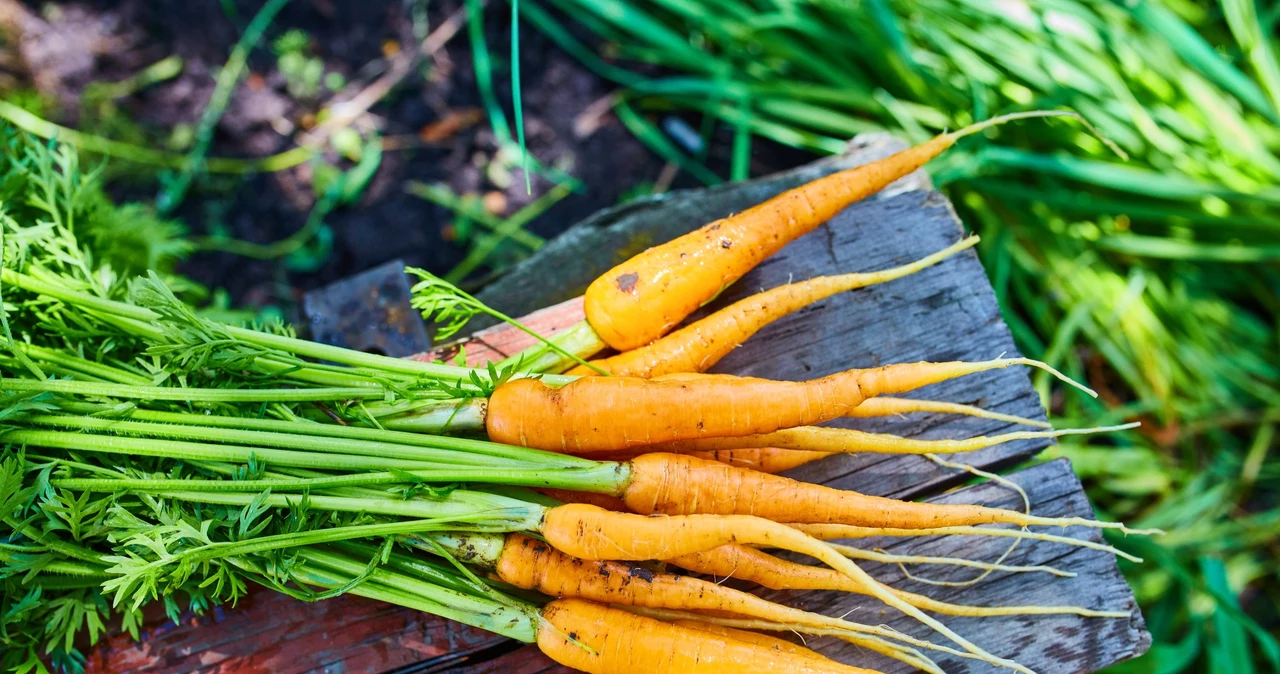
[[698, 346], [831, 532], [673, 484], [826, 440], [641, 299], [600, 640], [762, 459], [761, 568], [600, 414], [885, 406]]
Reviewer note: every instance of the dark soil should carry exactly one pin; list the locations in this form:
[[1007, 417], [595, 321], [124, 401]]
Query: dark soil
[[111, 40]]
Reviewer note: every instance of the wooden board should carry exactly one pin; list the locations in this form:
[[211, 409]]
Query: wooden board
[[946, 312]]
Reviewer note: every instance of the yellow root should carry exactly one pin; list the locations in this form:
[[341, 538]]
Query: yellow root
[[845, 440], [882, 406], [828, 532]]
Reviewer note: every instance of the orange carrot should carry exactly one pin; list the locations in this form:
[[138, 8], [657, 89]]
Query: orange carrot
[[830, 532], [673, 484], [599, 414], [700, 345], [761, 459], [641, 299], [592, 533], [533, 565], [600, 640], [885, 406], [773, 643], [761, 568], [821, 439]]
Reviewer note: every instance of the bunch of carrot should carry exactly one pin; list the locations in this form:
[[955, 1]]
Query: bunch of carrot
[[641, 456]]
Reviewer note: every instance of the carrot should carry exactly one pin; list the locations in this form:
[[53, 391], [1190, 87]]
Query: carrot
[[673, 484], [533, 565], [700, 345], [604, 501], [884, 406], [829, 532], [773, 643], [592, 533], [762, 459], [600, 640], [823, 440], [641, 299], [761, 568], [598, 414]]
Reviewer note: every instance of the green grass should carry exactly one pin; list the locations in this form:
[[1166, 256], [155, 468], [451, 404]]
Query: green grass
[[1153, 279]]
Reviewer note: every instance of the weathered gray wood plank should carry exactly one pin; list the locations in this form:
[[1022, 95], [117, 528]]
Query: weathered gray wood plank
[[1045, 644]]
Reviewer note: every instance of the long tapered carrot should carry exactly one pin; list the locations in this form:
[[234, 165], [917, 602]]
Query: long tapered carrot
[[834, 531], [777, 644], [782, 646], [831, 532], [763, 459], [846, 440], [885, 406], [593, 533], [599, 414], [533, 565], [641, 299], [597, 639], [761, 568], [674, 484], [698, 346]]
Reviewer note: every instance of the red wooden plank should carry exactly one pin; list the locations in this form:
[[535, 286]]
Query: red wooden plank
[[270, 632], [502, 340]]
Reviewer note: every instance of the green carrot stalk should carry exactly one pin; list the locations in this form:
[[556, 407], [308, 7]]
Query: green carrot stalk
[[477, 453], [509, 618], [605, 476], [337, 431], [141, 318]]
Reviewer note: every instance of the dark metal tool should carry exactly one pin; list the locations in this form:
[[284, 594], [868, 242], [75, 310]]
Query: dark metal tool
[[368, 312]]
